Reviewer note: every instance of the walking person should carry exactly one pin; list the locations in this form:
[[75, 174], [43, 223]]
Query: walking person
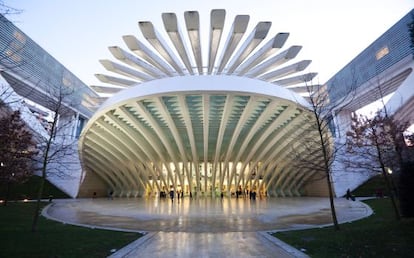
[[172, 196], [349, 195], [178, 196]]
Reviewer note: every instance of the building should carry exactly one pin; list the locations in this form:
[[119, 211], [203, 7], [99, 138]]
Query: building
[[229, 123], [28, 72], [235, 121], [383, 69]]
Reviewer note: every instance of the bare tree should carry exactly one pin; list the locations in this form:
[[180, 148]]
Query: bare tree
[[8, 10], [320, 141], [56, 150], [54, 88], [379, 143]]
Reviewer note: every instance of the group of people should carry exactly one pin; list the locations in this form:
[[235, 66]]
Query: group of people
[[251, 194], [180, 194]]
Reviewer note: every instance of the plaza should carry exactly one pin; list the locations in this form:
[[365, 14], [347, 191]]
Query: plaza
[[229, 227], [236, 122]]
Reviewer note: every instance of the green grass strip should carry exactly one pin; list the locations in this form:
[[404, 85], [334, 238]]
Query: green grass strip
[[379, 235], [53, 239]]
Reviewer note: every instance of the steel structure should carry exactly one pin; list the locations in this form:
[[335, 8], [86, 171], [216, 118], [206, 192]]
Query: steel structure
[[231, 122]]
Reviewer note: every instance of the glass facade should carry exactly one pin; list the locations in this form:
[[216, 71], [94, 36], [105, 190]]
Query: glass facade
[[386, 51], [29, 64]]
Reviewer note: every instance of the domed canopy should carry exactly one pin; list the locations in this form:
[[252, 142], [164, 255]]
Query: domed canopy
[[232, 126]]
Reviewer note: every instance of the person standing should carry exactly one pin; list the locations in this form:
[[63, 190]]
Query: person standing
[[172, 195]]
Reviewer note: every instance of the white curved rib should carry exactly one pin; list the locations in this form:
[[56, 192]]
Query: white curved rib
[[123, 70], [236, 33], [275, 61], [147, 54], [264, 52], [253, 40], [133, 61], [154, 38], [287, 70], [115, 80], [171, 26], [106, 89], [192, 22], [296, 79], [216, 29]]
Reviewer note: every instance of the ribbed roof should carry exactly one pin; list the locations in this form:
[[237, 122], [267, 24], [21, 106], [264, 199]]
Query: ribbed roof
[[179, 121], [178, 51]]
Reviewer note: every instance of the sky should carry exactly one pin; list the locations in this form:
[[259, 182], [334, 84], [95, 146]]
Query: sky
[[78, 32]]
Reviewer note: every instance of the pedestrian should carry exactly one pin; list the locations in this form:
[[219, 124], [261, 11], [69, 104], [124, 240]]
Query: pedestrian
[[172, 195], [349, 195]]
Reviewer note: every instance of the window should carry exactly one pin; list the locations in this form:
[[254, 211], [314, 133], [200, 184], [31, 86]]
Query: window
[[382, 52]]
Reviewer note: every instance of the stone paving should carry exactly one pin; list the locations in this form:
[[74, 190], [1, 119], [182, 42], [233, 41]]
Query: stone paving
[[205, 227]]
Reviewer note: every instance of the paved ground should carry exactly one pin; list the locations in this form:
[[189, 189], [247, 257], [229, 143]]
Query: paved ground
[[205, 227]]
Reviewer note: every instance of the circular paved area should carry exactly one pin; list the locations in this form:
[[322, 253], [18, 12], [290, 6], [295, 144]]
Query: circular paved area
[[205, 214]]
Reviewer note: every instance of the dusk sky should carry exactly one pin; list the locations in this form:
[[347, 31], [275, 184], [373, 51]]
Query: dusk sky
[[78, 32]]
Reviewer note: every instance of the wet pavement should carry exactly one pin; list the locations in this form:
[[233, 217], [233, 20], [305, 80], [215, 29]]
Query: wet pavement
[[205, 227]]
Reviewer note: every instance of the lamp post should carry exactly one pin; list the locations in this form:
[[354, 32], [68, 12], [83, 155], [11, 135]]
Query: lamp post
[[9, 179], [1, 174]]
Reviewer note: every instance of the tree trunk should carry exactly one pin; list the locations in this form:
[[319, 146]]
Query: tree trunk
[[331, 202], [326, 157], [387, 181], [37, 207], [390, 192], [6, 199]]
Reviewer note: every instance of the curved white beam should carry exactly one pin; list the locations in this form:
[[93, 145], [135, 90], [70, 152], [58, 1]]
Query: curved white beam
[[236, 33], [160, 45], [287, 70], [106, 89], [296, 79], [147, 54], [274, 61], [115, 80], [133, 61], [192, 21], [123, 70], [216, 29], [253, 40], [264, 52], [171, 26]]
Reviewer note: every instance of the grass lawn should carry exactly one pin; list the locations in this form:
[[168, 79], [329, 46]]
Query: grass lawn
[[379, 235], [53, 239]]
